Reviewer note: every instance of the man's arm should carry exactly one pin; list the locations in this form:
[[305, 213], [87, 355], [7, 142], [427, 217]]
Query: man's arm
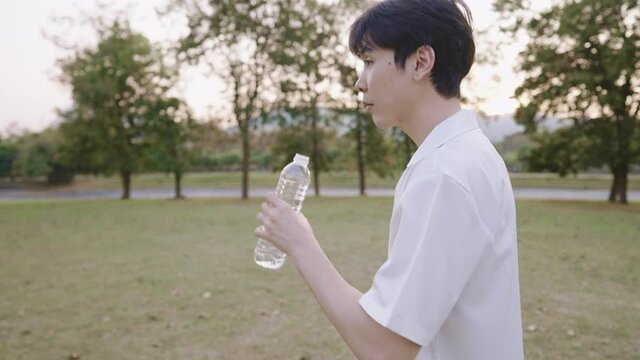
[[339, 300], [292, 233]]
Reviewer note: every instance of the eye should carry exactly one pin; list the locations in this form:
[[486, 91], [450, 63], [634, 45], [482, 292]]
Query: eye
[[368, 63]]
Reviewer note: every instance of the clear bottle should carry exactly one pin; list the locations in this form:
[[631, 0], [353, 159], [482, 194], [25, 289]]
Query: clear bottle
[[292, 187]]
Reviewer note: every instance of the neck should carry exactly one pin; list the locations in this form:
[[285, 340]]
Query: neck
[[428, 112]]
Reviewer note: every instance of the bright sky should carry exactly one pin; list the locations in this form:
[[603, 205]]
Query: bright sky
[[30, 95]]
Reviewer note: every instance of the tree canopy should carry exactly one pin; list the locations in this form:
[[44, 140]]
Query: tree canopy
[[582, 64], [120, 91]]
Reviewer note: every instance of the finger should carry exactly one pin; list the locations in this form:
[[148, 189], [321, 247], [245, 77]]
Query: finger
[[260, 232], [270, 213], [263, 219], [274, 200], [266, 208], [270, 198]]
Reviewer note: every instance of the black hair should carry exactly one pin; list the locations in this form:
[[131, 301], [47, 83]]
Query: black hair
[[405, 25]]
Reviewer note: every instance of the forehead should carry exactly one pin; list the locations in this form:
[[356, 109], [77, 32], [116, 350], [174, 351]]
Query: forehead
[[375, 52]]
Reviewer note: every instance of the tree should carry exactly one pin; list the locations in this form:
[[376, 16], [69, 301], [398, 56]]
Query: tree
[[115, 85], [582, 63], [172, 131], [307, 59], [237, 35]]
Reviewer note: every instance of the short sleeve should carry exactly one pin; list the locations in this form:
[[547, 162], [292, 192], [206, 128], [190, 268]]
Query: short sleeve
[[439, 242]]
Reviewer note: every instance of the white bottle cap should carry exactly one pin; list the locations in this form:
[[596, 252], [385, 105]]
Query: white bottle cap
[[301, 159]]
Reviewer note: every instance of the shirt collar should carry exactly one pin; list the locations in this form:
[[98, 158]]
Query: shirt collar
[[448, 129]]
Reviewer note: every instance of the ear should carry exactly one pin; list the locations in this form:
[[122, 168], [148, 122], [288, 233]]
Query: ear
[[425, 59]]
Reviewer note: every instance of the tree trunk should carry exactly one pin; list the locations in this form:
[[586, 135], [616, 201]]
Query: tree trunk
[[178, 192], [359, 149], [314, 152], [243, 116], [244, 133], [618, 192], [125, 176], [614, 188], [622, 186]]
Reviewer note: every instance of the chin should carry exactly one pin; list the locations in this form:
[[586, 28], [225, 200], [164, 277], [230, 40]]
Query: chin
[[380, 122]]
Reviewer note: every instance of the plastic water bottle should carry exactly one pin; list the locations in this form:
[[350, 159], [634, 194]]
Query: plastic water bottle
[[292, 187]]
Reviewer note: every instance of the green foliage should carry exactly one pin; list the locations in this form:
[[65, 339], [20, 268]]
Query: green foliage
[[287, 49], [404, 148], [555, 153], [514, 150], [172, 131], [308, 38], [33, 158], [8, 154], [123, 119], [581, 64], [306, 58], [212, 139], [240, 36], [38, 155], [217, 162], [115, 88], [295, 139], [376, 147], [262, 161]]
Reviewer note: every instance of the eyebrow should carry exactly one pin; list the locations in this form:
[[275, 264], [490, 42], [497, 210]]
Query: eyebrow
[[365, 50], [365, 53]]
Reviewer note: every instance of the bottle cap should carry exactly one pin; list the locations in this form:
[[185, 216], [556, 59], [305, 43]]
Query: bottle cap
[[301, 159]]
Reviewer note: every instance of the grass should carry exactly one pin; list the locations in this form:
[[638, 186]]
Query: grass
[[580, 181], [156, 279], [346, 179]]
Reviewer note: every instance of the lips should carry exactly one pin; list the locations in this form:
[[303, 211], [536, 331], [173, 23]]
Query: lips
[[367, 106]]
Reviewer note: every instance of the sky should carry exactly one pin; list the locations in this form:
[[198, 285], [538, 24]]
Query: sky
[[30, 93]]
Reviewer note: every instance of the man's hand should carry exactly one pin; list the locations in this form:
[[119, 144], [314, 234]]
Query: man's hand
[[283, 227]]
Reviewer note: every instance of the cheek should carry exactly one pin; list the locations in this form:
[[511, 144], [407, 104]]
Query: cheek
[[377, 79], [385, 80]]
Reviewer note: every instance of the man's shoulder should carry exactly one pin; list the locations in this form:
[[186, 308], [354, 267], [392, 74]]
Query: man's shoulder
[[466, 158], [472, 163]]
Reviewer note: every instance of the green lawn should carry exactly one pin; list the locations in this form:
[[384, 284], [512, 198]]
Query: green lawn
[[155, 279], [347, 179]]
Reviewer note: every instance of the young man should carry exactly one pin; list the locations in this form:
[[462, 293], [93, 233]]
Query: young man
[[449, 288]]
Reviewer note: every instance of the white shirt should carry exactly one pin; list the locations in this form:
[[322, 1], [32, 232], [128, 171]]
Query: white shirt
[[450, 283]]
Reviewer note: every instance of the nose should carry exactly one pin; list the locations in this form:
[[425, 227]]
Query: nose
[[361, 84]]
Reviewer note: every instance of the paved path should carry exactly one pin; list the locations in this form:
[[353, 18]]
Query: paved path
[[520, 193]]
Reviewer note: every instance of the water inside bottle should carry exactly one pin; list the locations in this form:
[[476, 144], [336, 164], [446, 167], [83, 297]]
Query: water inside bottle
[[268, 256], [291, 191]]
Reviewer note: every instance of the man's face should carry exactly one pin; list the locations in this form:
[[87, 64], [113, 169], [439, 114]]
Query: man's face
[[384, 87]]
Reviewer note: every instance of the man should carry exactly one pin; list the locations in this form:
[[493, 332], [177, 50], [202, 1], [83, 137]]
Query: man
[[449, 288]]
